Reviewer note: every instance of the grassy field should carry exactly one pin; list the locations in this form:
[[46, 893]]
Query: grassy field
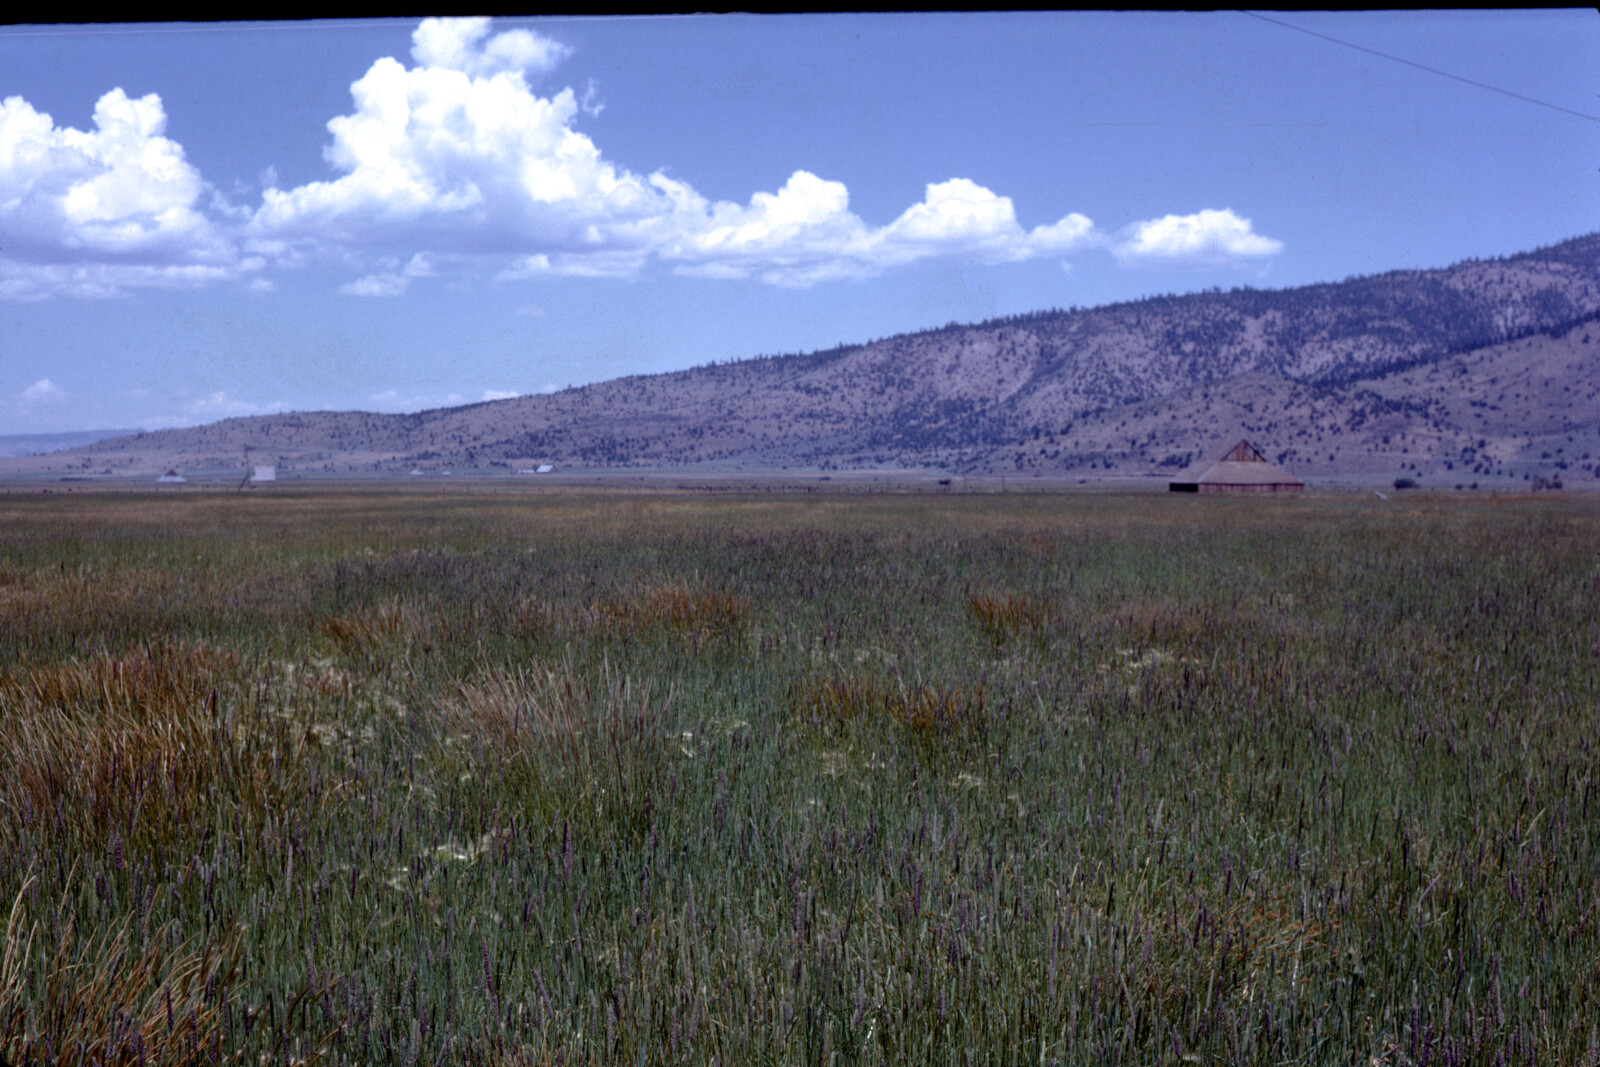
[[384, 776]]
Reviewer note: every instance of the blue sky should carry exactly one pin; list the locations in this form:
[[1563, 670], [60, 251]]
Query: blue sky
[[205, 221]]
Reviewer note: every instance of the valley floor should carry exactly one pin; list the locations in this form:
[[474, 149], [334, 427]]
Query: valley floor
[[388, 772]]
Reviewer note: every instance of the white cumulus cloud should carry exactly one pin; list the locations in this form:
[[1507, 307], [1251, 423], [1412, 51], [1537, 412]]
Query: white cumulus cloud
[[456, 165], [208, 407], [1206, 237], [805, 233], [219, 405], [459, 156], [377, 285], [391, 282], [94, 213], [392, 400], [43, 391], [459, 44]]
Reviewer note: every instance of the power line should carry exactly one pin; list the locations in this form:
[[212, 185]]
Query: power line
[[1430, 70]]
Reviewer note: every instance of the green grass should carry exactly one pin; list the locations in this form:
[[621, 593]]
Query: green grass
[[381, 776]]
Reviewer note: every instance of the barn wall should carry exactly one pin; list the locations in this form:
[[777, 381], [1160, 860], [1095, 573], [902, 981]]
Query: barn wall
[[1213, 487]]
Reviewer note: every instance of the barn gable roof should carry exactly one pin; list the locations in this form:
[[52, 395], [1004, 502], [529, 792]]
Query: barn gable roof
[[1238, 464]]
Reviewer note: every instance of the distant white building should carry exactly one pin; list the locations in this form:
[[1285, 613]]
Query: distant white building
[[546, 468], [172, 477], [267, 473]]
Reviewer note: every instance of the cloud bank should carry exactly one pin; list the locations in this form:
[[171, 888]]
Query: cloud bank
[[93, 213], [456, 165]]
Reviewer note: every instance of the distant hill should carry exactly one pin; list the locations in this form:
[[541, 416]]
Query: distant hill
[[1488, 369]]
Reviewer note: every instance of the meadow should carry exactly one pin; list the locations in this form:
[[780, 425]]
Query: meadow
[[396, 776]]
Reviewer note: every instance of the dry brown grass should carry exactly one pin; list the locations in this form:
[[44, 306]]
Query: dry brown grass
[[597, 743], [151, 678], [927, 712], [676, 607], [98, 1000], [20, 592], [389, 623], [1006, 614], [128, 741], [1161, 622], [535, 616], [506, 709], [555, 717]]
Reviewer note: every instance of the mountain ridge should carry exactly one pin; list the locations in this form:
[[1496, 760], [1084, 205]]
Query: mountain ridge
[[1003, 395]]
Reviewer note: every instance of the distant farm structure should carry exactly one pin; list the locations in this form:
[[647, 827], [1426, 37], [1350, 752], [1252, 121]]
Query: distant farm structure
[[1240, 469]]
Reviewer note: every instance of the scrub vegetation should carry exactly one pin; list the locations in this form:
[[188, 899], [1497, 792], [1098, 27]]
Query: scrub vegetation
[[374, 776]]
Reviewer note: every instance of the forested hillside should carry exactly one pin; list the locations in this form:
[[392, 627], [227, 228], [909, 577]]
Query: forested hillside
[[1053, 392]]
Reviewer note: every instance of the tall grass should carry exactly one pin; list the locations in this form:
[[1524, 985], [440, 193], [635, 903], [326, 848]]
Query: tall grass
[[381, 777]]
